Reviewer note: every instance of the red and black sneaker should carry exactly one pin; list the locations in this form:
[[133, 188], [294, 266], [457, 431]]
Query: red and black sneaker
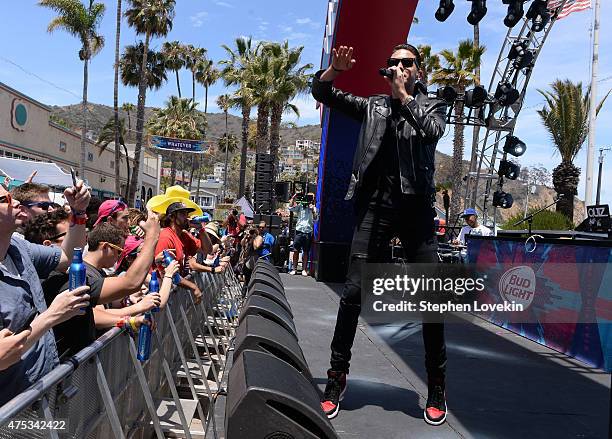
[[334, 393], [435, 409]]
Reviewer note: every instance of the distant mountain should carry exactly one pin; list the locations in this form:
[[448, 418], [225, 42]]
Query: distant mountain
[[71, 116]]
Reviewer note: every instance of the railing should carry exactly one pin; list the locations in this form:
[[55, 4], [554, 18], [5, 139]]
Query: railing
[[104, 391]]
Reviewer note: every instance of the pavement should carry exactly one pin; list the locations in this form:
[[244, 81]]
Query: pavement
[[499, 384]]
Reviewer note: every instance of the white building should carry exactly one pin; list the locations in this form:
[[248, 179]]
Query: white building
[[209, 195], [219, 171]]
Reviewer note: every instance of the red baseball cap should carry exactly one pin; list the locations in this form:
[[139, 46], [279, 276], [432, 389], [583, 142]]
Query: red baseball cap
[[109, 207], [131, 244]]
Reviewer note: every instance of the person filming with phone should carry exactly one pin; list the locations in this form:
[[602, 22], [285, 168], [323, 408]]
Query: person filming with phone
[[303, 206], [392, 186]]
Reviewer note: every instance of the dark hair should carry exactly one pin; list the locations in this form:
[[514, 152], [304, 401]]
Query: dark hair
[[104, 232], [412, 49], [135, 216], [29, 191], [43, 227]]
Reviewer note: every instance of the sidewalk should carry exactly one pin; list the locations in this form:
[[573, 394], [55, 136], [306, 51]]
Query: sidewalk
[[500, 385]]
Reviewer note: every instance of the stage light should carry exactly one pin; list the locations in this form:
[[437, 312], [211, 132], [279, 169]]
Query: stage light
[[506, 94], [518, 49], [447, 93], [445, 9], [509, 170], [479, 10], [514, 146], [515, 12], [539, 15], [502, 199], [476, 97]]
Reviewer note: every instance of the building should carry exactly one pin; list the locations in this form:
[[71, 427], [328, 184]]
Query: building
[[209, 196], [27, 132], [219, 171]]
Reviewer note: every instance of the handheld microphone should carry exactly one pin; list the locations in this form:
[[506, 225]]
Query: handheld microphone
[[386, 72]]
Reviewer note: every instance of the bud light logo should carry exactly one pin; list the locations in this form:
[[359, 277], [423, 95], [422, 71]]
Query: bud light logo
[[518, 285]]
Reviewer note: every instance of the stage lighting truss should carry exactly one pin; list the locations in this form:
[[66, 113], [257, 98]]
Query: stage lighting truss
[[506, 91], [502, 199], [514, 146], [509, 170], [515, 12], [445, 9]]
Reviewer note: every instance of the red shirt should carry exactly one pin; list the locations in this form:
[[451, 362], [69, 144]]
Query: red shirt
[[185, 245]]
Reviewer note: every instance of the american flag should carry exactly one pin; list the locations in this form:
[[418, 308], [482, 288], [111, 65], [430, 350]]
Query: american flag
[[569, 7]]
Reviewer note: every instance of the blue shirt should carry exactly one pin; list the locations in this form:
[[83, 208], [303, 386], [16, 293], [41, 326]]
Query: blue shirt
[[305, 218], [19, 295], [266, 248]]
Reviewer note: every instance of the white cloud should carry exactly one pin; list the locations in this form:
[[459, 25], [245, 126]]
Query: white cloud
[[224, 4], [298, 36], [303, 21], [198, 19], [285, 29]]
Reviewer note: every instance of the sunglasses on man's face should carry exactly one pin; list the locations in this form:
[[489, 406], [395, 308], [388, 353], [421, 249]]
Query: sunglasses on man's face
[[406, 62], [44, 205]]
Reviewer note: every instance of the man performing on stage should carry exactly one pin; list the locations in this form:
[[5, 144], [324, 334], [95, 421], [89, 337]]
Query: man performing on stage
[[392, 184]]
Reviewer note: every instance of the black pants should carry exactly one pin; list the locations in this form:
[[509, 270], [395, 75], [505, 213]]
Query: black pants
[[382, 214]]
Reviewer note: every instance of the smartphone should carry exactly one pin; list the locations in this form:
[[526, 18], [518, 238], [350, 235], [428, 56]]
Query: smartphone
[[74, 180], [28, 321]]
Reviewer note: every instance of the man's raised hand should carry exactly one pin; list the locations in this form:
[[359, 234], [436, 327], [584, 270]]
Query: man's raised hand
[[342, 58]]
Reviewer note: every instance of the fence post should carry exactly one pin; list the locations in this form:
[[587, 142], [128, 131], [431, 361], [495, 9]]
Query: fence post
[[107, 398]]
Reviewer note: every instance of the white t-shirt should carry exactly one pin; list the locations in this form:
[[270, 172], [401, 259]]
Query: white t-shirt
[[478, 231]]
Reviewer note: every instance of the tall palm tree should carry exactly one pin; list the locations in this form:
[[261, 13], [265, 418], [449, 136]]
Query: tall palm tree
[[128, 108], [288, 81], [194, 56], [130, 66], [224, 103], [106, 136], [116, 106], [566, 118], [458, 71], [430, 61], [180, 119], [81, 22], [206, 75], [235, 73], [174, 52], [261, 76], [151, 18]]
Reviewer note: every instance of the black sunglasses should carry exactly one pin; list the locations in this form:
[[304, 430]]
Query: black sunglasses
[[44, 205], [58, 236], [406, 62]]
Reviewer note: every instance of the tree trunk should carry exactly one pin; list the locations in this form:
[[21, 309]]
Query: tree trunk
[[457, 172], [84, 127], [206, 103], [193, 168], [276, 117], [262, 142], [127, 165], [173, 166], [193, 82], [566, 177], [246, 116], [140, 115], [475, 134], [129, 123], [226, 159], [178, 84], [116, 109]]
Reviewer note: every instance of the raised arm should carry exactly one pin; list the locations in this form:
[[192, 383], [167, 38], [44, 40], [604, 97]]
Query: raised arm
[[324, 92]]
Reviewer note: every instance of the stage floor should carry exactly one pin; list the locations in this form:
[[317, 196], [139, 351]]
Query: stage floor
[[499, 385]]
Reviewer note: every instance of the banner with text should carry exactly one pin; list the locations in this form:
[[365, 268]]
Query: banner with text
[[181, 145]]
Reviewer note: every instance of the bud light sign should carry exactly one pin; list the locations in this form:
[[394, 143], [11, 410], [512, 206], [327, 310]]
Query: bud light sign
[[518, 285]]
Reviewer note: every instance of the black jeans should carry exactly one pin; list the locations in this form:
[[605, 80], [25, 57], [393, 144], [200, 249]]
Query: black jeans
[[384, 213]]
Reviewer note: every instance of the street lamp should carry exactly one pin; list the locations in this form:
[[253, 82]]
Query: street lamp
[[601, 159]]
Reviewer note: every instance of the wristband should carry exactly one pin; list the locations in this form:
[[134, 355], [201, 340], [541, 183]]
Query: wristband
[[132, 322], [336, 70], [78, 219], [120, 322]]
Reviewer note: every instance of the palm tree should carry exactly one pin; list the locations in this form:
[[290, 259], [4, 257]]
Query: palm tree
[[289, 80], [261, 75], [224, 103], [174, 52], [128, 108], [179, 119], [235, 73], [130, 66], [566, 117], [458, 72], [151, 18], [82, 22], [194, 56], [430, 61], [206, 74], [108, 135], [116, 106]]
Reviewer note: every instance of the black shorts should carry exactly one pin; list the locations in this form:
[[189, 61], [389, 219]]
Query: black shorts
[[302, 241]]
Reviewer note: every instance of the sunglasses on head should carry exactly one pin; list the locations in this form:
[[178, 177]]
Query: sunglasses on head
[[406, 62], [44, 205], [6, 198], [58, 236], [113, 246], [120, 205]]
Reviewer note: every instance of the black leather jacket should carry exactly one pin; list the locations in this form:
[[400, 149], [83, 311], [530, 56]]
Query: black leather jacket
[[422, 123]]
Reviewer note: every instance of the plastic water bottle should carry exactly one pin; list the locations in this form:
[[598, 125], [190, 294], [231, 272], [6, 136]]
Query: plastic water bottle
[[154, 287], [144, 340], [176, 279], [77, 273]]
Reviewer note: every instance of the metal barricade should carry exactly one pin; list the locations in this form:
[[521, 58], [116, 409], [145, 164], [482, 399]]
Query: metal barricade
[[105, 392]]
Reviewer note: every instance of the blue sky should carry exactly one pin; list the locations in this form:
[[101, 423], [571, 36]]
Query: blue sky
[[210, 23]]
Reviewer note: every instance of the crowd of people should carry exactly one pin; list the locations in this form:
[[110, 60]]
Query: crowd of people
[[43, 322]]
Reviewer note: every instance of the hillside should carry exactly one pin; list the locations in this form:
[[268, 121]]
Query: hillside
[[99, 114]]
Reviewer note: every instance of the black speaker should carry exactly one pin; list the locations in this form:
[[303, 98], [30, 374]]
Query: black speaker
[[282, 191], [265, 278], [264, 158], [268, 268], [263, 196], [271, 220], [262, 206], [263, 176], [331, 259], [264, 168], [269, 309], [268, 399], [270, 292], [259, 334], [263, 186]]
